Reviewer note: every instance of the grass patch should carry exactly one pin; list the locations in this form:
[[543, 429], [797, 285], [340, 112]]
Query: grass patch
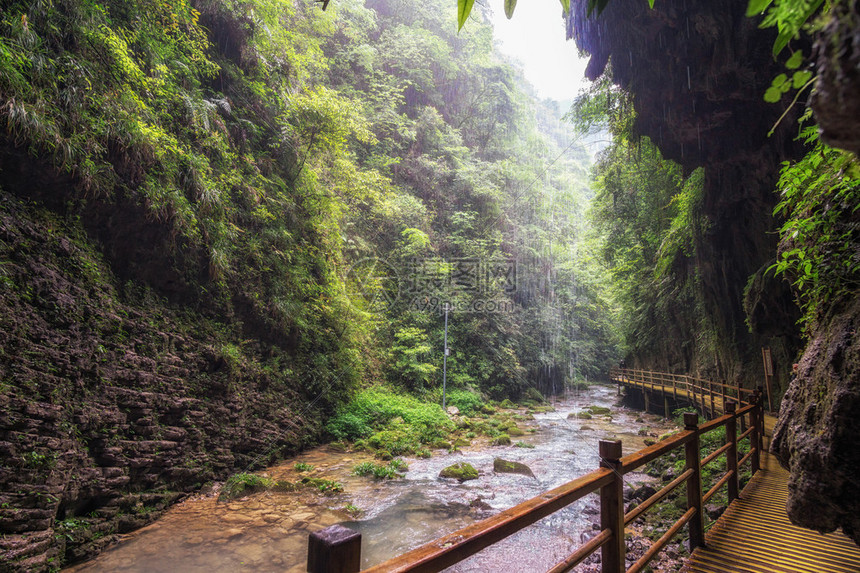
[[244, 484], [392, 470]]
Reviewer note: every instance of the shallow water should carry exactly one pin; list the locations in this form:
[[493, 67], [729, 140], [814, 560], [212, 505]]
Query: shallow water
[[268, 531]]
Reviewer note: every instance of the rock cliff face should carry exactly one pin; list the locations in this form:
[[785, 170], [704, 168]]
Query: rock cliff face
[[836, 102], [114, 403], [697, 72], [818, 429]]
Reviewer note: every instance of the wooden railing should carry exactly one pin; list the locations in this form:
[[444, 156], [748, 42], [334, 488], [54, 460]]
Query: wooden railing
[[337, 549], [705, 394]]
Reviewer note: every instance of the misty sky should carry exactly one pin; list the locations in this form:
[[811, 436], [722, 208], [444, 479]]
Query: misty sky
[[535, 36]]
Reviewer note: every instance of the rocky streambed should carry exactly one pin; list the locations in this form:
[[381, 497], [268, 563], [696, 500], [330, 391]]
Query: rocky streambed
[[268, 531]]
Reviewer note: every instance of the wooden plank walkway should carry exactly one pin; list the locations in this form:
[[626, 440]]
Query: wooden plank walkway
[[754, 535]]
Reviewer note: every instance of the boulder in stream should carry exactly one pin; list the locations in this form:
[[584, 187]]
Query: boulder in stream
[[461, 471], [501, 466]]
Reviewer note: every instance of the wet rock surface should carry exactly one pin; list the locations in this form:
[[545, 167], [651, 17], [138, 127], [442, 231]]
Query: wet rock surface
[[816, 435], [835, 99], [501, 466]]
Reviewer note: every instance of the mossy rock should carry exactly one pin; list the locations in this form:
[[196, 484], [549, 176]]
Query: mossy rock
[[462, 443], [243, 484], [515, 431], [579, 415], [461, 471], [284, 486], [585, 428], [599, 410], [649, 441], [501, 466], [441, 445], [507, 404], [488, 409], [502, 440], [542, 409]]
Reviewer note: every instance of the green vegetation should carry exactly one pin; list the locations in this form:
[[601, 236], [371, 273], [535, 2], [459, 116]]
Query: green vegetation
[[303, 467], [325, 486], [244, 484], [394, 469], [818, 252], [271, 147]]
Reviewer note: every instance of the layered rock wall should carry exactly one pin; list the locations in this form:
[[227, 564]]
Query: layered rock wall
[[114, 404]]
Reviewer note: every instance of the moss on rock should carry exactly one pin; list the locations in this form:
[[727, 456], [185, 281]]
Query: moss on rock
[[461, 471]]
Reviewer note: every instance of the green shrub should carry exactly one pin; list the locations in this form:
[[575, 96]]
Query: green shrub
[[348, 426], [377, 408], [467, 402], [303, 467]]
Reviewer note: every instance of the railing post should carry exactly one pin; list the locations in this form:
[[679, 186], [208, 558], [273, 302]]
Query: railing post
[[694, 484], [761, 433], [732, 453], [755, 441], [335, 549], [711, 393], [612, 509]]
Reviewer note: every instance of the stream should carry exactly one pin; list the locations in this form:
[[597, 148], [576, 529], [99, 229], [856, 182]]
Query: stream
[[268, 531]]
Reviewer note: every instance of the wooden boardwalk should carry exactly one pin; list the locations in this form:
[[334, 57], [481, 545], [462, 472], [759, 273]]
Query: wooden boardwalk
[[754, 535]]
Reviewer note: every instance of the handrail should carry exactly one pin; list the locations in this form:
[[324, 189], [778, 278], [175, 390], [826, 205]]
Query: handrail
[[339, 549], [639, 376], [454, 547]]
